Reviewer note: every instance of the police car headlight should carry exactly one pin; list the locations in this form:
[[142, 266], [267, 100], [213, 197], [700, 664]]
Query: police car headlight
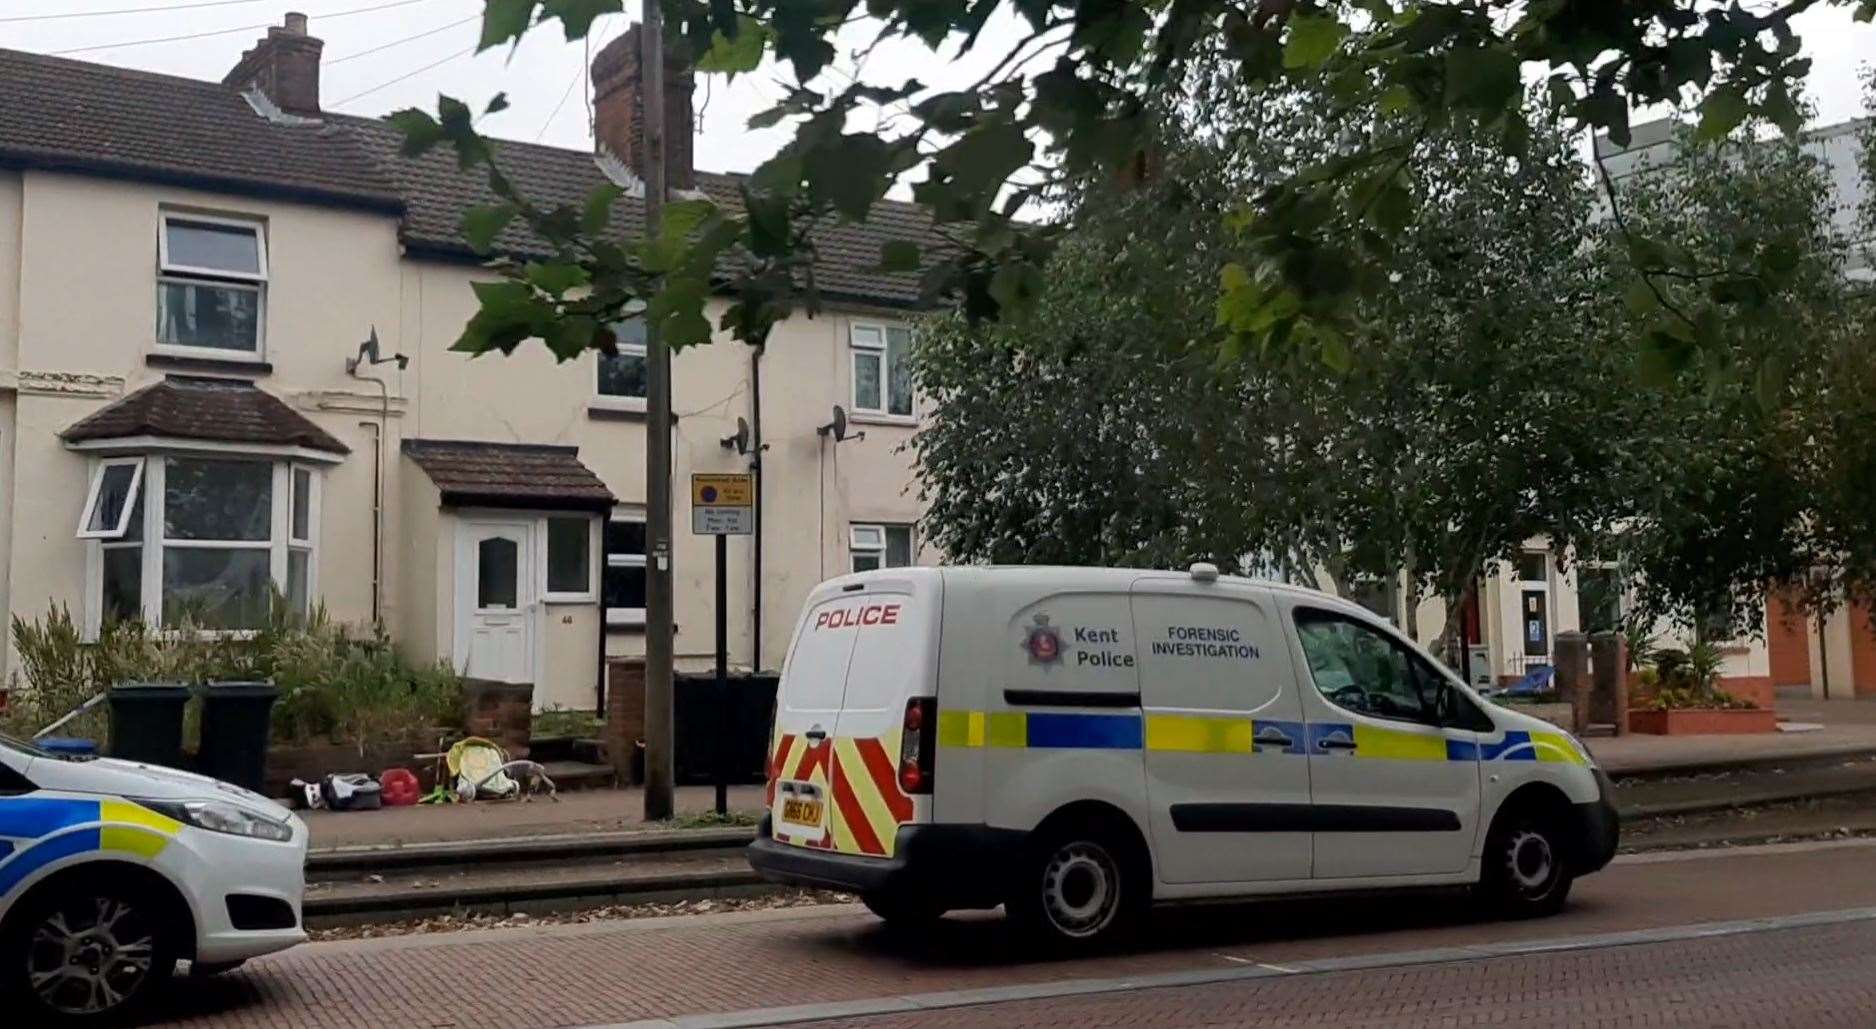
[[220, 816]]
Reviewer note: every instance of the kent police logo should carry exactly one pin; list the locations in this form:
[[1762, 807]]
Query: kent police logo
[[1043, 642]]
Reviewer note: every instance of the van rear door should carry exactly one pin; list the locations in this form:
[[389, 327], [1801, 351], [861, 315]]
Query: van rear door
[[807, 706], [876, 636]]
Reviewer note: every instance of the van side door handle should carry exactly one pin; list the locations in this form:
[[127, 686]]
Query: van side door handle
[[1273, 737], [816, 734], [1335, 743]]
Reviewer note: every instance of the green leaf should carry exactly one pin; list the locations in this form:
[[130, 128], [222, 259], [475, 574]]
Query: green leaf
[[421, 132], [730, 56], [577, 16], [1640, 299], [480, 225], [1392, 208], [497, 104], [899, 255], [1721, 112], [556, 277], [504, 20], [1313, 40], [1398, 100], [596, 212], [1484, 79]]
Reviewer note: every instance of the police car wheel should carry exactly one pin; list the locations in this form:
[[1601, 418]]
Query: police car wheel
[[87, 953], [1525, 874], [1079, 890], [897, 910]]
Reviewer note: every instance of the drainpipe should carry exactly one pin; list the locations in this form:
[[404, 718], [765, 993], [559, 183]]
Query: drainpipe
[[755, 466], [377, 492]]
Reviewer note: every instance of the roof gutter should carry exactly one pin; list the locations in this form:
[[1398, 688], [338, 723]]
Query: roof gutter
[[35, 160]]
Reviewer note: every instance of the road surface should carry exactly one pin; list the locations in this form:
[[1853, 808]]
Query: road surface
[[1258, 963]]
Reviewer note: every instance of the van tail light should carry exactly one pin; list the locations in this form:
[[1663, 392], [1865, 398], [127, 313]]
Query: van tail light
[[918, 745]]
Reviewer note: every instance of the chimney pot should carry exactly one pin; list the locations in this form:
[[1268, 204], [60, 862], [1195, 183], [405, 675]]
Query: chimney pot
[[618, 108], [284, 65]]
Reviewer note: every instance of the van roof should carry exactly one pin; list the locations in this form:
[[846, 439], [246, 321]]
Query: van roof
[[1083, 575]]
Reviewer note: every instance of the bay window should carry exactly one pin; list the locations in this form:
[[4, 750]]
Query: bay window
[[211, 285], [203, 541]]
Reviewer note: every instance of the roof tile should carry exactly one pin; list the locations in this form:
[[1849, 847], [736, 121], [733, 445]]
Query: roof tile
[[219, 410], [471, 472]]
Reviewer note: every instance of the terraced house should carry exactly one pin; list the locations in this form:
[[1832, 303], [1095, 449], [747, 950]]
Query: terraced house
[[225, 322]]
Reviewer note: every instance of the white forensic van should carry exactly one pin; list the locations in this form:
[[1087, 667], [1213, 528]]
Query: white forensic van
[[1077, 743], [110, 871]]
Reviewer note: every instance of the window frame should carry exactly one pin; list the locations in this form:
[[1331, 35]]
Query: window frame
[[255, 282], [97, 486], [590, 594], [1422, 667], [882, 352], [623, 617], [155, 542], [618, 401], [855, 548]]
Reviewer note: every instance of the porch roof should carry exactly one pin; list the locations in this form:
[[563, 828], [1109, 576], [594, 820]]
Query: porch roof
[[473, 473]]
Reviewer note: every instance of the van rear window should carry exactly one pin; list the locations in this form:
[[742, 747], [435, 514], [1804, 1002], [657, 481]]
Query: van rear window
[[817, 673]]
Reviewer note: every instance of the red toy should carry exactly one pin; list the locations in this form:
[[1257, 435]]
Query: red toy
[[400, 787]]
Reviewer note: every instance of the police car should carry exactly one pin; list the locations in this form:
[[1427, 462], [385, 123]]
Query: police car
[[111, 871], [1076, 744]]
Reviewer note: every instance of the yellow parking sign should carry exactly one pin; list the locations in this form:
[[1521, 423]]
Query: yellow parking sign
[[722, 505]]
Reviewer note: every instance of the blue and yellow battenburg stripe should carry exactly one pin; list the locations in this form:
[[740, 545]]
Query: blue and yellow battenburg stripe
[[37, 831], [1201, 734]]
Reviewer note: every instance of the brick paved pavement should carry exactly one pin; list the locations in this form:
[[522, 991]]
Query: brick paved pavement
[[1798, 978], [611, 972]]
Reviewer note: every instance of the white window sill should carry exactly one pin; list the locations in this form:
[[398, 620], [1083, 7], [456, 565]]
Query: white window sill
[[612, 403], [879, 418], [210, 353], [625, 617]]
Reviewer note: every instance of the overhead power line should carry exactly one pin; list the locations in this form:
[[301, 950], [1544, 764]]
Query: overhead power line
[[226, 32], [407, 75], [129, 10], [407, 39]]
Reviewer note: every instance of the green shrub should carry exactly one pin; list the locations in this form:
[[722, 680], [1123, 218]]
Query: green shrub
[[336, 683]]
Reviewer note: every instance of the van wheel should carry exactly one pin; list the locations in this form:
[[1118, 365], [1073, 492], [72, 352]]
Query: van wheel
[[1525, 873], [85, 953], [1080, 887], [900, 911]]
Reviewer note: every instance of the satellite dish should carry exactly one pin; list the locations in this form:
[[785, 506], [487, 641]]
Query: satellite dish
[[838, 427], [739, 440]]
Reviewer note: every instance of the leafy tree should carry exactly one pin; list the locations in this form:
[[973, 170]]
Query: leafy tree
[[1075, 95], [1488, 408], [1763, 440]]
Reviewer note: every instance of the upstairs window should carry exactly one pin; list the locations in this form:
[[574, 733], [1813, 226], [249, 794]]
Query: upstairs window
[[880, 546], [211, 284], [882, 369], [622, 381]]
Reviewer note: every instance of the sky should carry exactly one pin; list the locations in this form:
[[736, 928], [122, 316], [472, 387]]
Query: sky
[[384, 55]]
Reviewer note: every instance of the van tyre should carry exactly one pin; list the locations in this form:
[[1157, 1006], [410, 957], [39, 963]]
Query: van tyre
[[899, 911], [1525, 872], [86, 952], [1080, 886]]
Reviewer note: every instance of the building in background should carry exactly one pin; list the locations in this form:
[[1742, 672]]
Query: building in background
[[225, 367]]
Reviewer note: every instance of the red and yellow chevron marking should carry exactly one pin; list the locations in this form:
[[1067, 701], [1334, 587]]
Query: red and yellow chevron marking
[[861, 780]]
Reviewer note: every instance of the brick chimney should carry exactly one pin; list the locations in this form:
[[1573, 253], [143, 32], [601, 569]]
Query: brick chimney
[[285, 66], [618, 109]]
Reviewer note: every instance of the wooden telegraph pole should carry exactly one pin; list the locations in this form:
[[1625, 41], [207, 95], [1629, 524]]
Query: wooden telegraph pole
[[660, 769]]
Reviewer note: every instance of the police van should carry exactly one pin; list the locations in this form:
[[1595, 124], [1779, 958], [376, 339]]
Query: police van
[[111, 871], [1078, 743]]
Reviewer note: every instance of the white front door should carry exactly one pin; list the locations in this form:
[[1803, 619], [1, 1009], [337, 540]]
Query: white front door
[[496, 600]]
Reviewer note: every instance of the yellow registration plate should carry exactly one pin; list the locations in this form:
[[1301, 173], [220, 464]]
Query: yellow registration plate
[[801, 812]]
